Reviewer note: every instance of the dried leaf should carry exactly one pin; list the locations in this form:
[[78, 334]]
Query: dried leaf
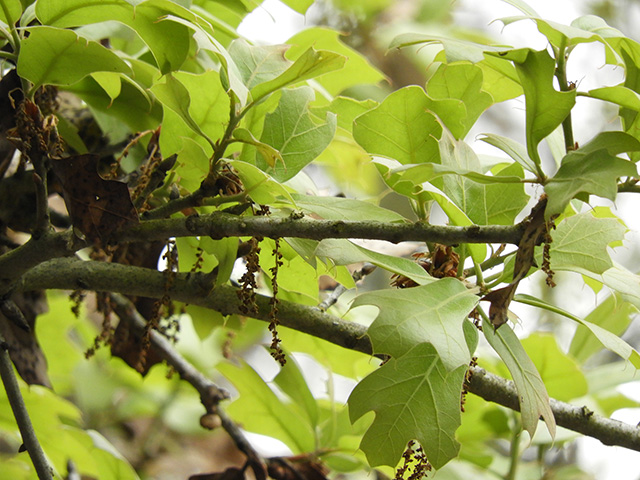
[[24, 349], [296, 468], [97, 207], [535, 232], [231, 473]]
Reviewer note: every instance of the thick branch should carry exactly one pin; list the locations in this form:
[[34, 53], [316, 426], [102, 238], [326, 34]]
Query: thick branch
[[220, 225], [196, 289]]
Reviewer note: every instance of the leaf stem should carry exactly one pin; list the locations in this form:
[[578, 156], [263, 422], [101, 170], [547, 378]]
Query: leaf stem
[[21, 415], [561, 75], [514, 457]]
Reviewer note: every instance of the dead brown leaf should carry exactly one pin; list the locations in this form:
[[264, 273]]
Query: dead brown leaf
[[535, 233], [97, 207]]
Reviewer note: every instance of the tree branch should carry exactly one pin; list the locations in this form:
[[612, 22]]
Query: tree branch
[[21, 415], [220, 225], [196, 289], [210, 393]]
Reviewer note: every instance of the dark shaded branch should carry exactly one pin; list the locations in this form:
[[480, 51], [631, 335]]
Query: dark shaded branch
[[197, 289], [21, 415]]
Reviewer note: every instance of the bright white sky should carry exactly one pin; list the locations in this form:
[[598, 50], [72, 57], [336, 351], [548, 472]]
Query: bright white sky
[[274, 23]]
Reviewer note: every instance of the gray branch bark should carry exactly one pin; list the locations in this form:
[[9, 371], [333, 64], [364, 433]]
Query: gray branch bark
[[197, 289], [219, 225]]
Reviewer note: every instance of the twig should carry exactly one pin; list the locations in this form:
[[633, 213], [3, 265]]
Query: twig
[[340, 289], [210, 393], [21, 415]]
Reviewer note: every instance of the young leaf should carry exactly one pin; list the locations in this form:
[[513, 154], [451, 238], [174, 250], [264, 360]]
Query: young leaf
[[455, 49], [168, 40], [10, 11], [199, 100], [432, 313], [613, 314], [258, 64], [609, 340], [534, 399], [581, 241], [561, 375], [261, 411], [416, 397], [461, 83], [344, 252], [595, 173], [292, 131], [337, 208], [269, 154], [546, 108], [400, 128], [512, 148], [310, 64], [261, 187], [356, 71], [483, 204], [292, 382], [57, 56]]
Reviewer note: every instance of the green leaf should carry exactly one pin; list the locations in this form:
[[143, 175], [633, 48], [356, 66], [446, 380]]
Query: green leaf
[[461, 83], [613, 314], [299, 6], [455, 49], [594, 173], [260, 410], [401, 128], [432, 313], [225, 251], [262, 188], [168, 40], [609, 340], [619, 94], [414, 397], [561, 376], [558, 34], [500, 78], [344, 252], [311, 64], [581, 241], [483, 204], [56, 56], [291, 382], [258, 64], [534, 399], [10, 11], [346, 109], [512, 148], [546, 108], [199, 100], [269, 154], [337, 208], [292, 131], [356, 71]]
